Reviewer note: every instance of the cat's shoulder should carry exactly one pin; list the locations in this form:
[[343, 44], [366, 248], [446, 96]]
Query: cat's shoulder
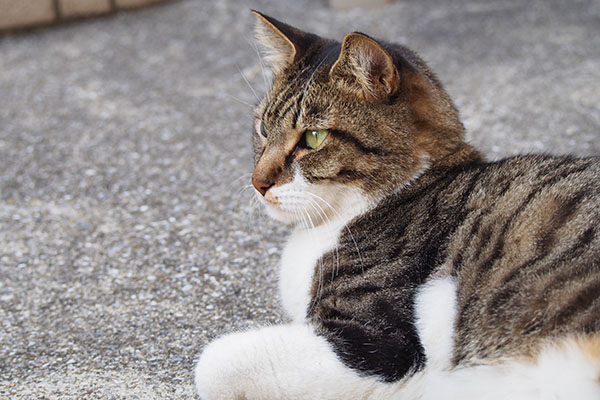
[[530, 169], [537, 170], [481, 183]]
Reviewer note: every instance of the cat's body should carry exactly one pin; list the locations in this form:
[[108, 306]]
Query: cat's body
[[417, 270], [509, 234]]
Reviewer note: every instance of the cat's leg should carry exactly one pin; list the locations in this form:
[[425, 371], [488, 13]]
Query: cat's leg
[[278, 362]]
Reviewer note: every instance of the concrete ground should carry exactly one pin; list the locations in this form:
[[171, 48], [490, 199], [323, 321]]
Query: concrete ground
[[127, 239]]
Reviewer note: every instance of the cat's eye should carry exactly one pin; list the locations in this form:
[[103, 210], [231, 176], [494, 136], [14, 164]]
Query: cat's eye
[[263, 130], [314, 138]]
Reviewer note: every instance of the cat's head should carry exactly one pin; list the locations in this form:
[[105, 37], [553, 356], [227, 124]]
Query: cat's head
[[344, 124]]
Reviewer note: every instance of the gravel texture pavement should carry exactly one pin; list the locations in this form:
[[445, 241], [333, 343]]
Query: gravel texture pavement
[[128, 236]]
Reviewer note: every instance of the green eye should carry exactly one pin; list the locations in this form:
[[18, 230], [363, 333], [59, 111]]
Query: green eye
[[315, 138], [263, 130]]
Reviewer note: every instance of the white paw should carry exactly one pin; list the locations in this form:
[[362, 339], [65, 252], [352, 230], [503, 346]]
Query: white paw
[[220, 370], [278, 362]]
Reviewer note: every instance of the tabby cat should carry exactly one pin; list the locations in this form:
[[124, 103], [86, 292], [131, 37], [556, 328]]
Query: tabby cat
[[416, 269]]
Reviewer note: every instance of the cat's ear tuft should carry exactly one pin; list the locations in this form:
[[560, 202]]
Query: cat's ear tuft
[[366, 65], [283, 43]]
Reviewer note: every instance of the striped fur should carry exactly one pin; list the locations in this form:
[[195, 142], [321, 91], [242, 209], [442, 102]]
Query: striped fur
[[519, 236], [394, 209]]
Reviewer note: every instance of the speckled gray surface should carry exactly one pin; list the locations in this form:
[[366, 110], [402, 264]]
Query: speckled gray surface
[[127, 240]]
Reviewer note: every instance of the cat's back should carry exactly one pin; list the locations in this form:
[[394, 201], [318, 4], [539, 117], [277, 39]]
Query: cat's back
[[526, 256], [519, 237]]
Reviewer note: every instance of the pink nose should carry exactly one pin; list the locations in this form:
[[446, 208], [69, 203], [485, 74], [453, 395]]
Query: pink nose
[[262, 185]]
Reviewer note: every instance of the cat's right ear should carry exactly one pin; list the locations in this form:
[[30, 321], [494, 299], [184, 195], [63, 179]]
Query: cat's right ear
[[283, 43]]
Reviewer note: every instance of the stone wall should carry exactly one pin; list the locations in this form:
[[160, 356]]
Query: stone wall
[[16, 14]]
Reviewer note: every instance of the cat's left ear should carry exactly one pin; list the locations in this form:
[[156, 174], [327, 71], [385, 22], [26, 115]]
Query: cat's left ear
[[367, 67], [284, 43]]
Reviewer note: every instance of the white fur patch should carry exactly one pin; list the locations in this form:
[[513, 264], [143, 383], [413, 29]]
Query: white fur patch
[[278, 362], [298, 261], [300, 257], [565, 372], [561, 372], [435, 306]]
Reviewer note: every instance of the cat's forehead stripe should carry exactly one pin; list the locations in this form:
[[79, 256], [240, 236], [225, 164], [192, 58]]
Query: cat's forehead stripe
[[291, 94], [292, 103], [284, 94], [288, 106], [296, 106]]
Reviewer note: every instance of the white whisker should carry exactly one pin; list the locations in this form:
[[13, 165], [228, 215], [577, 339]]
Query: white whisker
[[335, 251], [239, 100], [248, 83], [254, 206], [262, 67], [345, 226], [244, 190], [235, 186]]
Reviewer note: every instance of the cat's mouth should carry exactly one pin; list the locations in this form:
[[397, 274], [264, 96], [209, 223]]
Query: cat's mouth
[[275, 210], [287, 205], [271, 199]]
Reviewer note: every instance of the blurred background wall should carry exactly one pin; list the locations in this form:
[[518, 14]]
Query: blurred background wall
[[19, 14]]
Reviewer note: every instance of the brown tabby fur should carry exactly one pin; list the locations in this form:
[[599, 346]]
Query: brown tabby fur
[[520, 236]]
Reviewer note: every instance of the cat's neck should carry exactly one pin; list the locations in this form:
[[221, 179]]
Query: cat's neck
[[304, 249], [462, 157], [432, 169], [348, 203], [308, 244]]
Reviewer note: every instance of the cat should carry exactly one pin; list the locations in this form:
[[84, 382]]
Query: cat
[[416, 269]]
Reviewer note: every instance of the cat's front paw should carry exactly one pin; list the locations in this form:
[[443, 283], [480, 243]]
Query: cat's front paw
[[270, 363], [275, 363], [219, 372]]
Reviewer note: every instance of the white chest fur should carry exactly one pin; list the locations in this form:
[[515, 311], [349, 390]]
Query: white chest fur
[[331, 206], [298, 261]]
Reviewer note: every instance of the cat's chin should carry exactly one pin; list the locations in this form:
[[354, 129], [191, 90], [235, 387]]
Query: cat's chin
[[279, 215], [293, 217]]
